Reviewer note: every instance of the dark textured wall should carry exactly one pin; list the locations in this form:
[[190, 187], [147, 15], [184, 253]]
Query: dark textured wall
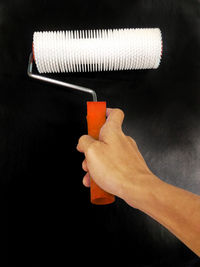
[[46, 209]]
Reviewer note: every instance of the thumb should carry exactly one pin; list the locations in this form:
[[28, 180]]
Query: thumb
[[84, 142], [115, 117]]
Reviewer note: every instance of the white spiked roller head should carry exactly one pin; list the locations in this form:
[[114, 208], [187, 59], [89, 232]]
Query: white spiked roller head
[[97, 50]]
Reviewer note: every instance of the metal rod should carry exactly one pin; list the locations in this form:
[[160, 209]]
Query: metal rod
[[57, 82]]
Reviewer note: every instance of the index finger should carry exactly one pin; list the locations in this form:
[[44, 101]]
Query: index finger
[[84, 142]]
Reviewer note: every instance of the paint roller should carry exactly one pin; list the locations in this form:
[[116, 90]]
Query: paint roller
[[92, 51]]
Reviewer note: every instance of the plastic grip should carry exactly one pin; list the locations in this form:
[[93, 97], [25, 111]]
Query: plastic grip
[[96, 117]]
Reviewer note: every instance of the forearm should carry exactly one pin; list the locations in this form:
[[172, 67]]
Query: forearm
[[176, 209], [117, 166]]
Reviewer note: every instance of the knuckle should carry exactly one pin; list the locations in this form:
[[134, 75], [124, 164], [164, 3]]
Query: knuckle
[[92, 148], [81, 139], [132, 140], [84, 165], [129, 138]]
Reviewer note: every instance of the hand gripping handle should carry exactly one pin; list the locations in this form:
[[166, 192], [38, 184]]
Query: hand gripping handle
[[96, 117]]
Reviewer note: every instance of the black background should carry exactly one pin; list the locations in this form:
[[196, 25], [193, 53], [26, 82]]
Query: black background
[[45, 209]]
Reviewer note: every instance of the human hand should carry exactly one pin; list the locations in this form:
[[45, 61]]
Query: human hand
[[117, 166], [114, 161]]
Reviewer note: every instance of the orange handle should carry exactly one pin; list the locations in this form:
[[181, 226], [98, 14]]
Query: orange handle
[[96, 117]]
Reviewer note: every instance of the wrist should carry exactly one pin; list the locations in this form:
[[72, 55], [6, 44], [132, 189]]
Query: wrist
[[141, 192]]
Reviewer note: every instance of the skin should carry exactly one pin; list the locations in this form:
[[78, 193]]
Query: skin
[[117, 166]]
